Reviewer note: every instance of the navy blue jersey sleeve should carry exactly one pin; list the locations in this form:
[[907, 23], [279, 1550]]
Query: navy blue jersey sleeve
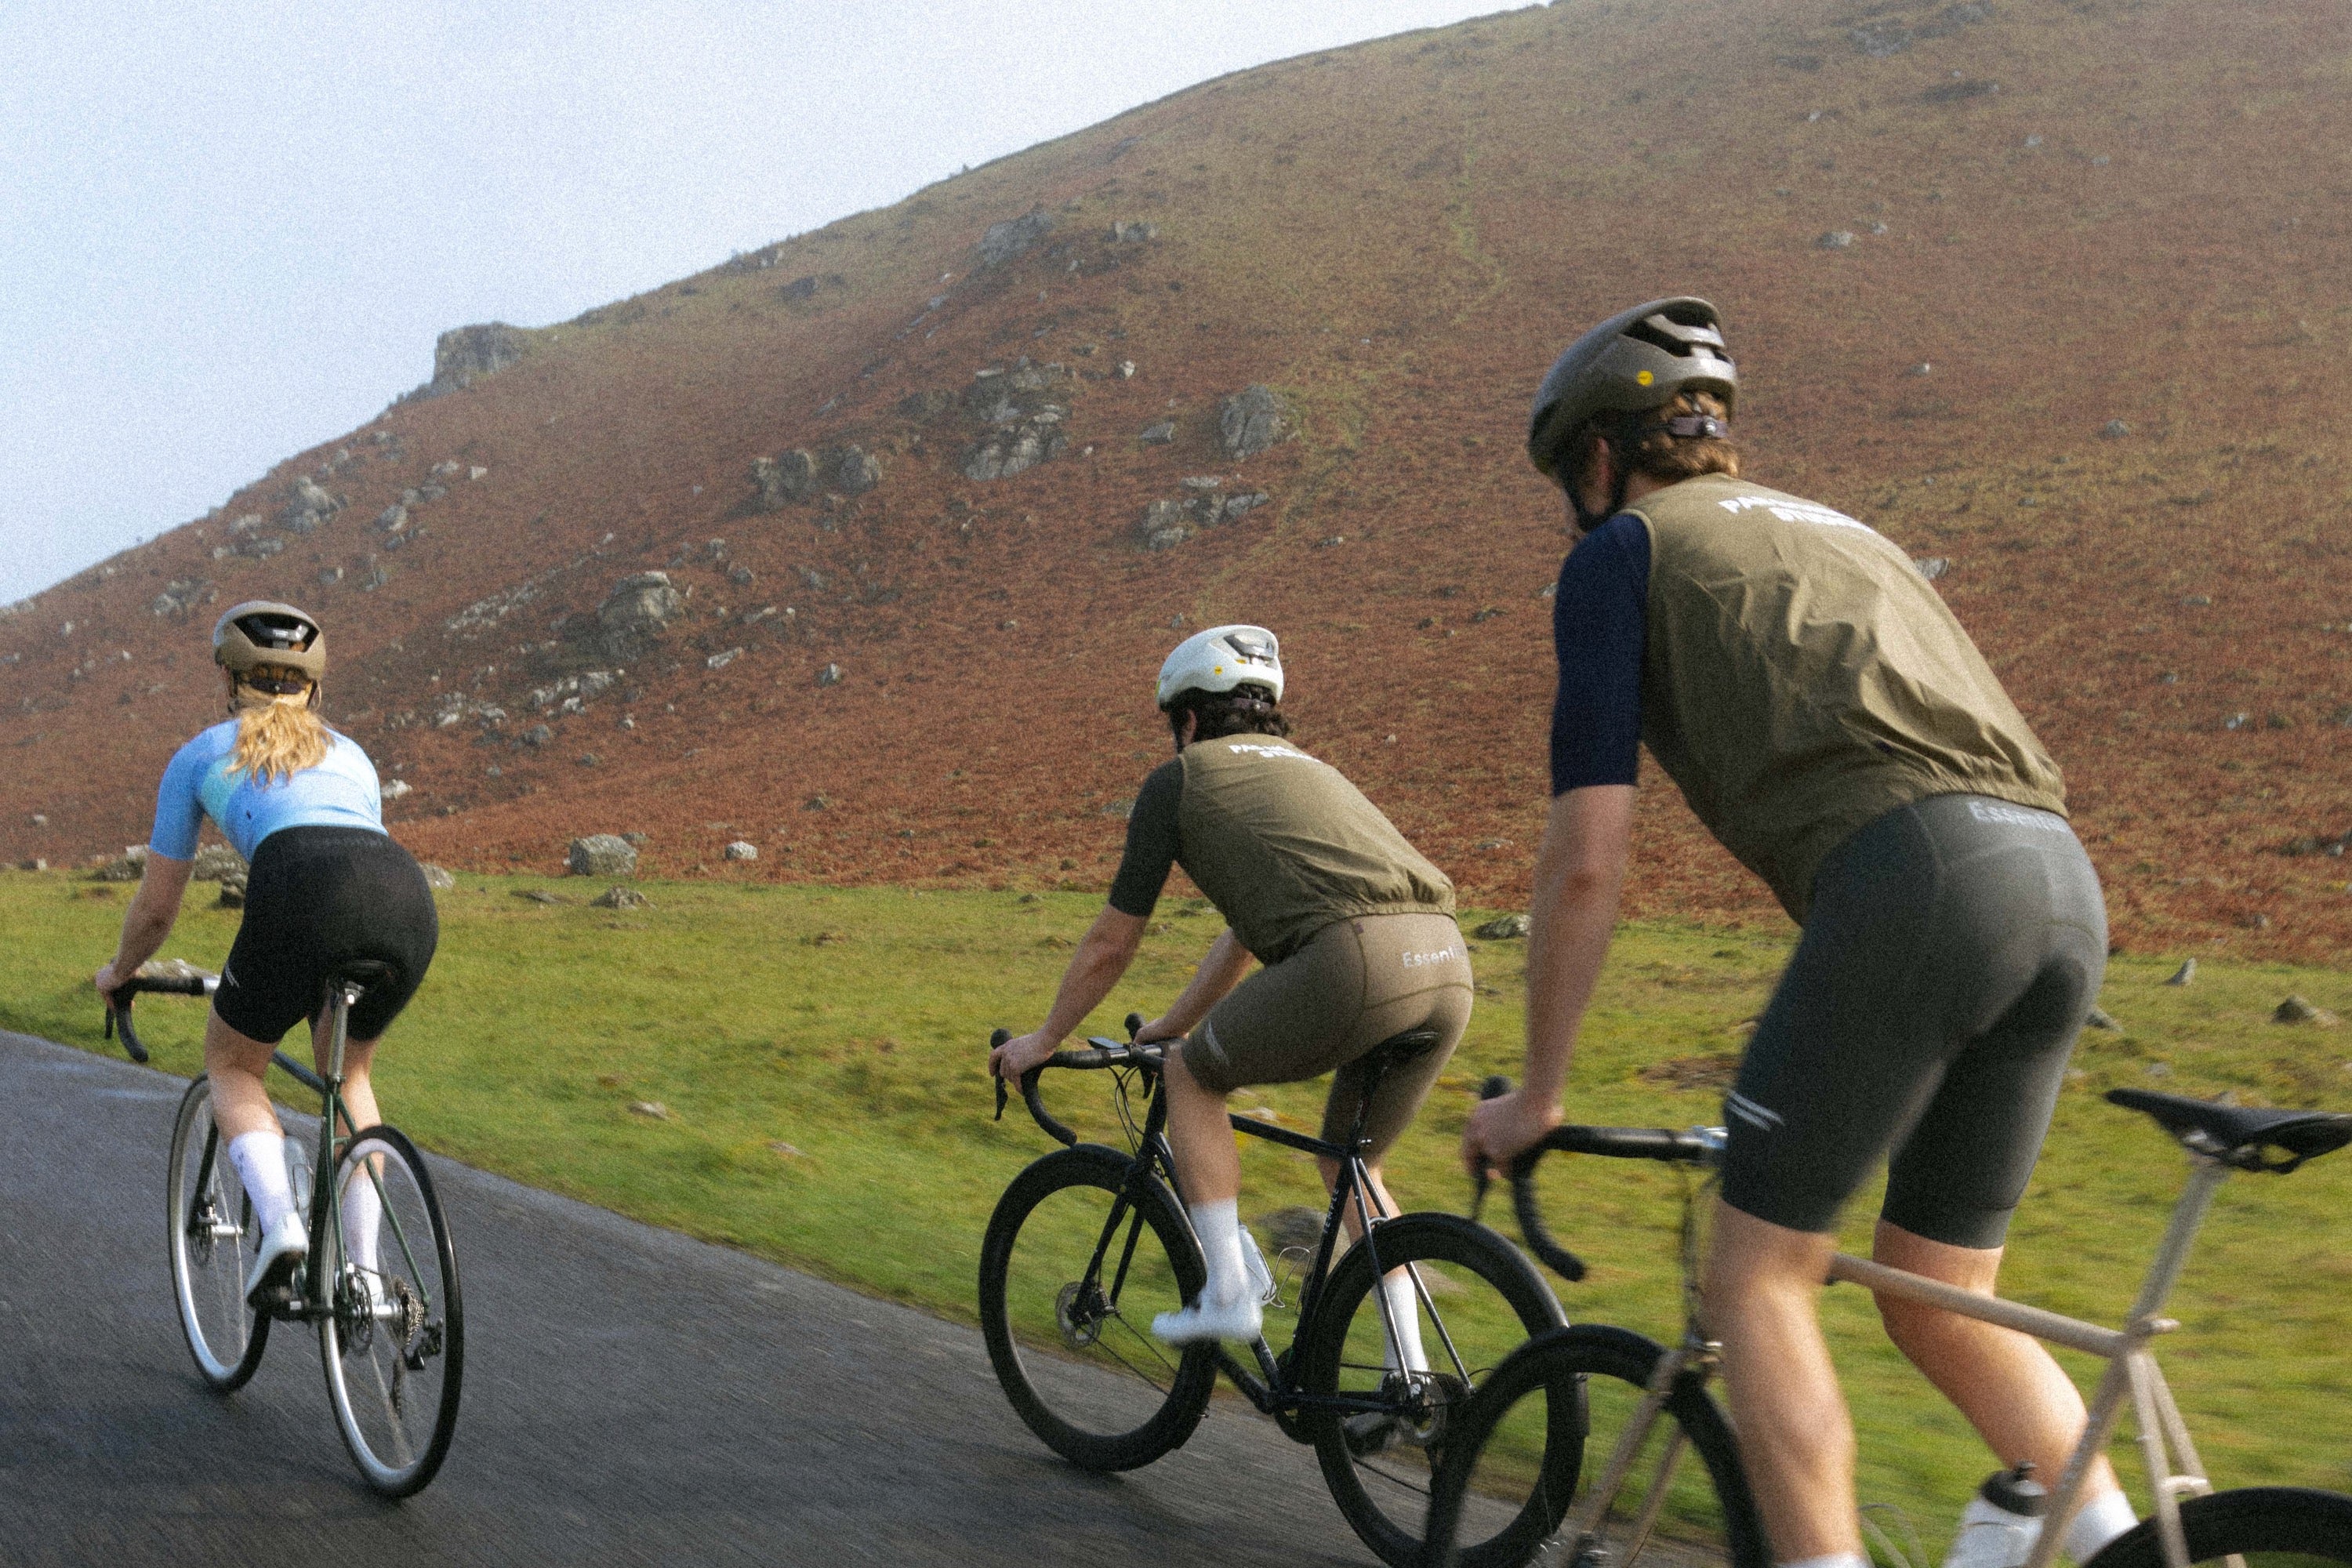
[[1599, 622], [1151, 842]]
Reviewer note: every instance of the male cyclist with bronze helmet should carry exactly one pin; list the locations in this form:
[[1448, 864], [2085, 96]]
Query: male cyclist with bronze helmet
[[1830, 721], [1354, 928], [326, 887]]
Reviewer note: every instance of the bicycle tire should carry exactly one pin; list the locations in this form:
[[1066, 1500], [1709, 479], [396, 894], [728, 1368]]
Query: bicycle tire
[[206, 1237], [410, 1326], [1622, 1363], [1100, 1422], [1383, 1495], [2270, 1527]]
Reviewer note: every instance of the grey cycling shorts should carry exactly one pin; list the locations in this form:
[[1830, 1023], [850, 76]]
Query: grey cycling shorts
[[1953, 949]]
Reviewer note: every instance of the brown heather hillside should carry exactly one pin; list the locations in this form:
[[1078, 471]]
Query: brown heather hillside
[[2091, 212]]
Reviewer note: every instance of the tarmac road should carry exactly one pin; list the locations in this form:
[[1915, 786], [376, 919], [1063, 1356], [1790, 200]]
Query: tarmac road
[[631, 1397]]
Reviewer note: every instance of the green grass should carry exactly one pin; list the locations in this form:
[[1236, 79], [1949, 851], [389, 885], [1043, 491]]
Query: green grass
[[821, 1053]]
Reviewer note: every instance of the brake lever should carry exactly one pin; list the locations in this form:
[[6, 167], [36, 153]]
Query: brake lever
[[1493, 1087]]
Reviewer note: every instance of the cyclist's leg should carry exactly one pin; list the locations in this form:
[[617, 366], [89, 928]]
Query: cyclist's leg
[[265, 990]]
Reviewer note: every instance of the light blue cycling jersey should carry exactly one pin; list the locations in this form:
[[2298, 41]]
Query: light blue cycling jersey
[[341, 792]]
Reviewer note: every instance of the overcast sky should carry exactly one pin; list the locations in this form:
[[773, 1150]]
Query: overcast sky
[[228, 232]]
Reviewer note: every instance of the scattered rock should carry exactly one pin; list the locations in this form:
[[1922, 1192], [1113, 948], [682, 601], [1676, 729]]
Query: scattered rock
[[2115, 430], [2196, 601], [537, 896], [1252, 420], [2313, 844], [2185, 973], [2295, 1010], [231, 894], [784, 480], [178, 596], [1167, 523], [1931, 567], [1128, 231], [617, 896], [129, 867], [440, 878], [855, 471], [1502, 928], [926, 405], [600, 855], [308, 506], [722, 660], [1159, 435], [215, 862], [829, 676], [1006, 240], [639, 840], [1836, 239], [2100, 1018], [464, 353], [743, 849], [638, 610], [652, 1109], [537, 735], [1024, 423]]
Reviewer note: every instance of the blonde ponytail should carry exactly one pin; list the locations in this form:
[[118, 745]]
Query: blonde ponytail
[[277, 735]]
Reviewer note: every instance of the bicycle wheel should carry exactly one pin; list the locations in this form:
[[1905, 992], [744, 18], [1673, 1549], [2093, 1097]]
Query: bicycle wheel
[[1480, 1300], [1080, 1254], [211, 1234], [2268, 1527], [1668, 1512], [394, 1344]]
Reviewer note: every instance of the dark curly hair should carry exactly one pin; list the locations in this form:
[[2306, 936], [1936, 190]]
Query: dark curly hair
[[1244, 710]]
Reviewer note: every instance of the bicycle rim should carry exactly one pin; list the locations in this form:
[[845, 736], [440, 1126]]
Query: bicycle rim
[[1078, 1259], [210, 1235], [1656, 1489], [2264, 1527], [393, 1344], [1476, 1300]]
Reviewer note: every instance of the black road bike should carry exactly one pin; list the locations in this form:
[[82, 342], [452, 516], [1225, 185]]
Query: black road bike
[[392, 1329], [1090, 1242]]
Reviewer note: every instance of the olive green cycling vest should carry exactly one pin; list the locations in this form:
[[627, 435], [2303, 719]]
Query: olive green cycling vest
[[1799, 678], [1285, 846]]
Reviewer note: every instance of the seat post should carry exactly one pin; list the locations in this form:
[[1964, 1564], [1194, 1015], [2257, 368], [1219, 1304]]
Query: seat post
[[338, 1017], [2205, 1176]]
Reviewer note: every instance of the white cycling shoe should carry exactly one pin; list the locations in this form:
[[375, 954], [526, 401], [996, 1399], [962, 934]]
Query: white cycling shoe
[[2001, 1522], [1207, 1321], [283, 1248]]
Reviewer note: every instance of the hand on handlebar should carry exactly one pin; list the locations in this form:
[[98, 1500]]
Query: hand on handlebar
[[1157, 1030], [108, 983], [1015, 1057], [1502, 1129]]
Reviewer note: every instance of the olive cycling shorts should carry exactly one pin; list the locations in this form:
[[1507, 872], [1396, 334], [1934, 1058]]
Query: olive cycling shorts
[[1953, 949], [1352, 985], [318, 898]]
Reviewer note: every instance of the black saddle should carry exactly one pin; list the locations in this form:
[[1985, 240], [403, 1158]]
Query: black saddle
[[363, 973], [1398, 1049], [2241, 1136]]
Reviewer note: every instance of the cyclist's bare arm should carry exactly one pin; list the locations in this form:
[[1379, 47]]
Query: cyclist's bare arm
[[1222, 968], [1579, 872], [155, 910], [1103, 955]]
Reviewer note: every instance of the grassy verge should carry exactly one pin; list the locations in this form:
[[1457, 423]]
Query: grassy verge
[[820, 1052]]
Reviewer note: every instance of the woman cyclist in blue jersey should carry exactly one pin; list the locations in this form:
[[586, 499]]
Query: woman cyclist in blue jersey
[[327, 886]]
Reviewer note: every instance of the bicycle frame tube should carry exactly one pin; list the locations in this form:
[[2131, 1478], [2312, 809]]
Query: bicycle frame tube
[[2132, 1373]]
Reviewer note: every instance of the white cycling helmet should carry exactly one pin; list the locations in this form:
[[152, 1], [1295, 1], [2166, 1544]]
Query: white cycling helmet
[[1220, 660]]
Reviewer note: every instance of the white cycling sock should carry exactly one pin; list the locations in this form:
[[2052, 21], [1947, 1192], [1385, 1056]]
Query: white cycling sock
[[1404, 1308], [1219, 1226], [1830, 1560], [363, 1213], [260, 1161], [2097, 1522]]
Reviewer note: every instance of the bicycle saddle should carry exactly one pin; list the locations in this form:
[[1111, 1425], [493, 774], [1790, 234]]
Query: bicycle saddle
[[362, 972], [2238, 1135]]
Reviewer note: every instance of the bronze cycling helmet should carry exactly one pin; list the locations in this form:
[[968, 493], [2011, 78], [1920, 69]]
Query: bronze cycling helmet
[[1635, 360], [262, 632]]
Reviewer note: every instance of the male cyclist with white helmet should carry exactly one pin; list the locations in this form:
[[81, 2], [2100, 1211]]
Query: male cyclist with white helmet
[[1828, 718], [1354, 928], [327, 886]]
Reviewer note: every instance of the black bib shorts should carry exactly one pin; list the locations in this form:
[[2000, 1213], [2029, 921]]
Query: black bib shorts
[[318, 898], [1952, 951]]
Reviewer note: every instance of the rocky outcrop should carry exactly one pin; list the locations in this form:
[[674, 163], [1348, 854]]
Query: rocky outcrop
[[308, 506], [638, 610], [1006, 240], [1020, 409], [784, 480], [179, 595], [854, 470], [600, 855], [1252, 420], [463, 354], [1168, 523]]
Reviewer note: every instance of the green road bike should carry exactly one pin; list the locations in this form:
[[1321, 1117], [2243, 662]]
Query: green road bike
[[392, 1329], [1090, 1242], [1661, 1482]]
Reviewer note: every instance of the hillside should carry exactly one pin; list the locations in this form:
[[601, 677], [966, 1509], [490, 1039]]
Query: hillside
[[2077, 341]]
